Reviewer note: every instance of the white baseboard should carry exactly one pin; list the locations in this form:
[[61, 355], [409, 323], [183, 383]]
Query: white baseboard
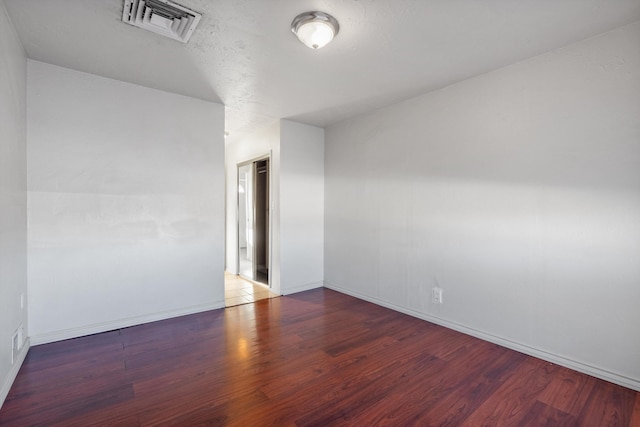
[[302, 288], [120, 323], [13, 372], [594, 371]]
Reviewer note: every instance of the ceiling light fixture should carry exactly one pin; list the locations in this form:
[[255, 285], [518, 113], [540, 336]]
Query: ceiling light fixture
[[315, 29]]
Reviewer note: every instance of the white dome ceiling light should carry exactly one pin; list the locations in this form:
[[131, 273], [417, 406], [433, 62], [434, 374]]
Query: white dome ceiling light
[[315, 29]]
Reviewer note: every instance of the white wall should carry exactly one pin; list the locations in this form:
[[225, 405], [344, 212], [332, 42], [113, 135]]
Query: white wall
[[13, 199], [125, 185], [297, 195], [302, 206], [518, 192]]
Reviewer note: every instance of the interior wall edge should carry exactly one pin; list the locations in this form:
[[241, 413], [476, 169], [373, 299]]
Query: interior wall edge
[[13, 203], [603, 374], [13, 372]]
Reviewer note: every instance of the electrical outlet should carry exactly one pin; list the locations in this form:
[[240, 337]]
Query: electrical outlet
[[436, 295], [21, 301], [16, 344]]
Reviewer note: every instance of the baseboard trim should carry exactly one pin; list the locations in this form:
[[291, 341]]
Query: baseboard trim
[[302, 288], [513, 345], [13, 372], [121, 323]]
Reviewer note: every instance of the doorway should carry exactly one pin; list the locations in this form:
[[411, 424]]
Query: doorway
[[254, 220]]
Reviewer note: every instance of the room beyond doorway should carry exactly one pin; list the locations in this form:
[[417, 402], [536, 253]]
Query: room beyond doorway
[[242, 291], [254, 220]]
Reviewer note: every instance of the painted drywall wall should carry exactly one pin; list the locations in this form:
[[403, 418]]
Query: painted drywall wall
[[297, 197], [517, 192], [301, 206], [13, 201], [125, 190]]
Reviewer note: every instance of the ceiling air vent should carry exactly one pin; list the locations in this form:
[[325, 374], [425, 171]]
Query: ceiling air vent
[[163, 17]]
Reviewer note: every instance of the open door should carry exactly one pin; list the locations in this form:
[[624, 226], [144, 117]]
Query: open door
[[254, 220]]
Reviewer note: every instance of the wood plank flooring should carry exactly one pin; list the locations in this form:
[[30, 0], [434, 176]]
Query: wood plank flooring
[[317, 358]]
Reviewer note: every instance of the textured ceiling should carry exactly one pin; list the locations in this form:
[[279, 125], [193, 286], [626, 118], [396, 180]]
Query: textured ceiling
[[244, 55]]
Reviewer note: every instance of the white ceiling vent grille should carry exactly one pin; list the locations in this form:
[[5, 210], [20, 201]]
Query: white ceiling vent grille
[[163, 17]]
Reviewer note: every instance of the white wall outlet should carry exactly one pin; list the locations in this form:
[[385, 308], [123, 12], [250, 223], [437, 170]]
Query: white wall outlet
[[436, 295], [16, 344], [21, 301]]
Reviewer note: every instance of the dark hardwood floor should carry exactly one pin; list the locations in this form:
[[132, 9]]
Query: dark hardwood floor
[[317, 358]]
